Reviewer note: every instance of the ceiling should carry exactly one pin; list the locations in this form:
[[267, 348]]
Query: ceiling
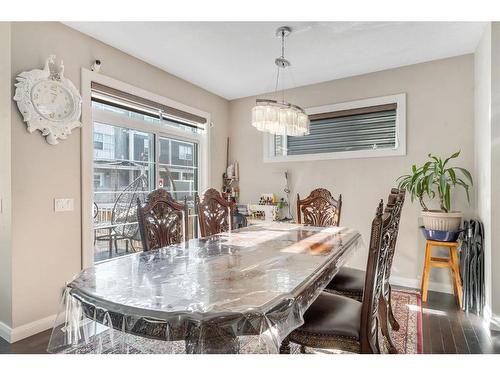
[[236, 59]]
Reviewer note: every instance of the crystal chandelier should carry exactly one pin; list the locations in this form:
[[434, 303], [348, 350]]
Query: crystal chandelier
[[279, 117]]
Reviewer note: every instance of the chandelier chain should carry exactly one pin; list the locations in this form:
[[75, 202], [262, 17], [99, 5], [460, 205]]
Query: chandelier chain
[[276, 88], [277, 79], [283, 43]]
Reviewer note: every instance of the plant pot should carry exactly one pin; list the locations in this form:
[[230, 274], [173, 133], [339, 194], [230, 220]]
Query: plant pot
[[443, 221], [438, 235]]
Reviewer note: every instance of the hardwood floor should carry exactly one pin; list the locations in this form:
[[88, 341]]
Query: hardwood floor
[[445, 330], [36, 344], [451, 331]]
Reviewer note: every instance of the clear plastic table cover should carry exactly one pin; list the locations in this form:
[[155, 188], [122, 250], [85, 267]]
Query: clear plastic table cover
[[236, 292]]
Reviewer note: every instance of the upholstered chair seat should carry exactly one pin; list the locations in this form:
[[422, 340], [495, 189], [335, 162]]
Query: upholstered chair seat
[[331, 321], [348, 282]]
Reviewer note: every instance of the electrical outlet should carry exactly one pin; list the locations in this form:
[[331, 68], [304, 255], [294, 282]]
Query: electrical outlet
[[63, 204]]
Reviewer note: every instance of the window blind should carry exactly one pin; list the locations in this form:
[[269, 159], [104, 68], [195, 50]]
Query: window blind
[[117, 98], [366, 128]]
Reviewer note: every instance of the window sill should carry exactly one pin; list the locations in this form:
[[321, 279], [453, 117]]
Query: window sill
[[401, 151]]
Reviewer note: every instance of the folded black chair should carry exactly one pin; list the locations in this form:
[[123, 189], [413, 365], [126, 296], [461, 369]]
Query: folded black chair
[[472, 266]]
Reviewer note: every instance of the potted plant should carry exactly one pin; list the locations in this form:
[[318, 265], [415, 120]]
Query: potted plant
[[437, 178]]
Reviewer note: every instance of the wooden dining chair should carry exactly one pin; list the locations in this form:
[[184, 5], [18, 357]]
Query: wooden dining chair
[[162, 220], [338, 322], [349, 282], [396, 204], [319, 209], [214, 213]]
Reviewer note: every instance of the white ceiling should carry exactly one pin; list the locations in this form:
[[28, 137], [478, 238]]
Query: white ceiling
[[236, 59]]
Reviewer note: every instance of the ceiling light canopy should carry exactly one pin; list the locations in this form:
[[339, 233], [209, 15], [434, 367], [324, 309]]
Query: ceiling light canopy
[[280, 117]]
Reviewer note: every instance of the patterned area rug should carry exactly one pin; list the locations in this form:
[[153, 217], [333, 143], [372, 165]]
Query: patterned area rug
[[407, 308], [408, 340]]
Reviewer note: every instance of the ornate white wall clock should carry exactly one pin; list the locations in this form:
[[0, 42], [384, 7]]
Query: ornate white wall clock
[[48, 101]]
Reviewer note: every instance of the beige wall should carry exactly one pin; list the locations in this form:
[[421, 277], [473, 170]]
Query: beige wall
[[495, 174], [482, 148], [5, 166], [47, 245], [440, 119]]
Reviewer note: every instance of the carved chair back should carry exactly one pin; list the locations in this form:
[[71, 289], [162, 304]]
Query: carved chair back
[[380, 241], [395, 204], [214, 213], [319, 209], [162, 220]]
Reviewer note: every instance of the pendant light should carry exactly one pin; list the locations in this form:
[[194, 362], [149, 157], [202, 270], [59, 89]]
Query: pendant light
[[280, 117]]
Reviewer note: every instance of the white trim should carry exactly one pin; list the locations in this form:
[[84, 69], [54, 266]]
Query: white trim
[[5, 331], [400, 150], [87, 183], [12, 335], [87, 155], [491, 320], [415, 284]]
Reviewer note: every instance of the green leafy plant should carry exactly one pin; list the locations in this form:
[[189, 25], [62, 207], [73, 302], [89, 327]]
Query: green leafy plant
[[436, 175]]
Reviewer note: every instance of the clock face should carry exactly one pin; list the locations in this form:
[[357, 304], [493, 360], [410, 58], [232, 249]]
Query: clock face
[[52, 100]]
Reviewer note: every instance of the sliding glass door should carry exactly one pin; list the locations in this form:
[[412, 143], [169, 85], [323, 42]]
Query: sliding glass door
[[134, 154]]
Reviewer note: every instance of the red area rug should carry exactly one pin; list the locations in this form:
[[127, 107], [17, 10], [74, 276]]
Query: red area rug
[[407, 308]]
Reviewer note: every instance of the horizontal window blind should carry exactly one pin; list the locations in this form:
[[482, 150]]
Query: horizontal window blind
[[369, 128], [117, 98]]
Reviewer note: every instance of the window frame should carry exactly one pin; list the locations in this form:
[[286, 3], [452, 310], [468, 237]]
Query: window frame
[[158, 132], [400, 150], [87, 138]]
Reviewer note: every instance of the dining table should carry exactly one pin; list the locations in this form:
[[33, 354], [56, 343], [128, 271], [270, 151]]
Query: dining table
[[242, 291]]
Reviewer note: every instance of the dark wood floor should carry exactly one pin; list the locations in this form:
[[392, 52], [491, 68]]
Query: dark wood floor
[[446, 330], [449, 330], [36, 344]]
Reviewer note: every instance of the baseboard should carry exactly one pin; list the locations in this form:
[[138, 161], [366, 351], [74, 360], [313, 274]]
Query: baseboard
[[491, 320], [5, 331], [495, 323], [415, 284], [26, 330]]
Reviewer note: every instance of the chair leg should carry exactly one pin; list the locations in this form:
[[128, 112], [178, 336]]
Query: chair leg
[[132, 246], [110, 243], [384, 326], [457, 283], [285, 346], [425, 275], [392, 319]]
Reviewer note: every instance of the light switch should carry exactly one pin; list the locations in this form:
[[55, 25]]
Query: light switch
[[63, 204]]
